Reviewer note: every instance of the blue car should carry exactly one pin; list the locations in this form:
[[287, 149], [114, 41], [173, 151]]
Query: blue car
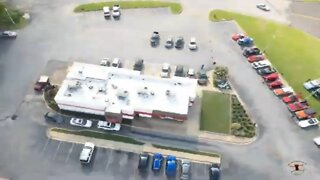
[[247, 41], [157, 162], [171, 165]]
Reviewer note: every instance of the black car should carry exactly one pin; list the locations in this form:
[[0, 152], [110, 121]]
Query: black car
[[266, 71], [179, 71], [143, 161], [53, 117], [214, 172], [179, 42], [138, 65], [155, 39], [251, 51]]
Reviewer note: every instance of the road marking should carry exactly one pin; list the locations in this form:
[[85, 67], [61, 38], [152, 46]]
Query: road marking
[[307, 17], [45, 146], [107, 161], [55, 154], [69, 153]]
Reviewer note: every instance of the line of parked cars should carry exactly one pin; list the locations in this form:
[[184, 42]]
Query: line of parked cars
[[171, 42], [171, 165], [116, 13], [299, 107]]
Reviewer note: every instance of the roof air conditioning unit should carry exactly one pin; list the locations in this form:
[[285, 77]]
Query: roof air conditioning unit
[[90, 87], [167, 92]]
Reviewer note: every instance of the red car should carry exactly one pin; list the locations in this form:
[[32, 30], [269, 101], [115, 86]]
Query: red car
[[255, 58], [275, 84], [291, 99], [238, 36], [271, 77], [298, 106]]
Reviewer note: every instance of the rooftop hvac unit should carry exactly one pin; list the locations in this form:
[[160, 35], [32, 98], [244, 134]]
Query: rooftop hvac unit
[[122, 94], [74, 85], [168, 92], [102, 89]]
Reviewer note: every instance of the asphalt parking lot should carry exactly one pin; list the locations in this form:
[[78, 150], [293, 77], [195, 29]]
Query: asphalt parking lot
[[115, 164]]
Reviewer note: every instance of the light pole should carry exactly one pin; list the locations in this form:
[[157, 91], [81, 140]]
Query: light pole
[[9, 15]]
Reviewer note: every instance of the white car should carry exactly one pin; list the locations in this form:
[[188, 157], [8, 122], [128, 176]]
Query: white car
[[8, 34], [116, 63], [104, 62], [263, 7], [108, 126], [165, 71], [81, 122], [191, 73], [193, 44], [116, 11], [260, 64], [316, 140], [86, 153], [106, 11], [308, 122]]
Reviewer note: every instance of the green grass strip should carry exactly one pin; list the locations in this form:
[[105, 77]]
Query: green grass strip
[[186, 150], [99, 135], [175, 8]]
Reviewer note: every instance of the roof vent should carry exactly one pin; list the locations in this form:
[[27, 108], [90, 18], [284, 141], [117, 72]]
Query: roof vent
[[80, 71], [90, 87], [114, 86], [167, 92], [102, 89], [69, 94], [145, 87], [152, 93]]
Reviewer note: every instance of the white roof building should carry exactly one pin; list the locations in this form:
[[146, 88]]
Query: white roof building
[[98, 89]]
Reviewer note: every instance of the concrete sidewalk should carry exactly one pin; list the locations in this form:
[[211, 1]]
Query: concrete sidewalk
[[130, 147]]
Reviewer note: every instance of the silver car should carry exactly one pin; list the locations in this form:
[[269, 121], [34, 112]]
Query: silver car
[[185, 169]]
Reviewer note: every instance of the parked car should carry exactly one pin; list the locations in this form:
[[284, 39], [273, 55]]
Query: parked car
[[311, 85], [292, 98], [222, 84], [169, 43], [81, 122], [193, 44], [53, 117], [255, 58], [316, 140], [108, 126], [116, 11], [116, 63], [202, 77], [185, 169], [138, 65], [298, 106], [285, 91], [271, 77], [179, 71], [8, 34], [275, 84], [214, 172], [165, 71], [246, 41], [42, 83], [316, 93], [87, 152], [191, 73], [249, 51], [263, 7], [105, 62], [261, 64], [238, 36], [106, 11], [143, 161], [157, 162], [179, 42], [171, 165], [266, 70], [306, 113], [155, 39], [308, 122]]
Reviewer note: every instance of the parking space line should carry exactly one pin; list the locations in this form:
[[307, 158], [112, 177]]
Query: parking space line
[[55, 154], [69, 153], [45, 146], [107, 161]]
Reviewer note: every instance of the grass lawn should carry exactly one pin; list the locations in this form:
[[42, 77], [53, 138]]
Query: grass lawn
[[186, 150], [175, 8], [215, 113], [6, 23], [99, 135], [294, 53]]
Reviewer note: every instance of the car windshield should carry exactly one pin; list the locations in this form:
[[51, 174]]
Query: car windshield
[[165, 70]]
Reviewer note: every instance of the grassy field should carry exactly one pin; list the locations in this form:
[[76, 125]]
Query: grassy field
[[215, 113], [175, 8], [99, 135], [294, 53], [186, 150], [6, 23]]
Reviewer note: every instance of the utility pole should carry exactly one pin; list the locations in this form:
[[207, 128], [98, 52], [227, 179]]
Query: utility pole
[[9, 15]]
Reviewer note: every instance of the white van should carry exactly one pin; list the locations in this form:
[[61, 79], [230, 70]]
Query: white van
[[106, 11], [86, 153]]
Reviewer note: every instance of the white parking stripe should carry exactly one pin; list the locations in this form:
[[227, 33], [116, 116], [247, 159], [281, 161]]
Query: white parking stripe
[[109, 157], [45, 146], [69, 153], [55, 154]]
